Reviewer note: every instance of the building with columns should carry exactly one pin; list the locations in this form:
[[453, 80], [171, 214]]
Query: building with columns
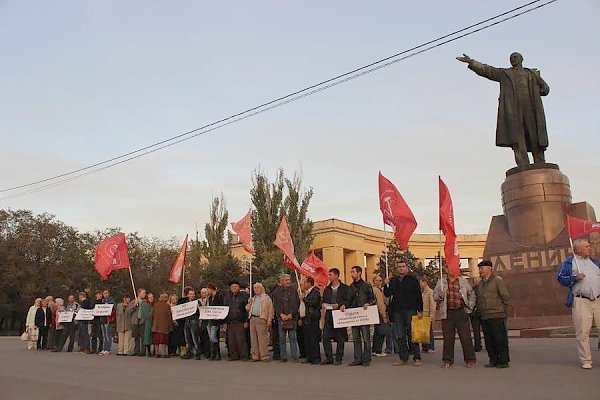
[[343, 244]]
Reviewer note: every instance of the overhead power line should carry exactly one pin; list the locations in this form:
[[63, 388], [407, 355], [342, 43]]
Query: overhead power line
[[79, 173]]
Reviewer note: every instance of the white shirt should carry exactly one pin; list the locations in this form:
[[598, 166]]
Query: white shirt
[[590, 285]]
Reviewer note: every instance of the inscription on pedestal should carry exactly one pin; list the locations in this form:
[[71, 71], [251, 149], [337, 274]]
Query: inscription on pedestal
[[548, 259]]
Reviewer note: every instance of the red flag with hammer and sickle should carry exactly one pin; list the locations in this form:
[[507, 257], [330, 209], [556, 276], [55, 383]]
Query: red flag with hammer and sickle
[[111, 254]]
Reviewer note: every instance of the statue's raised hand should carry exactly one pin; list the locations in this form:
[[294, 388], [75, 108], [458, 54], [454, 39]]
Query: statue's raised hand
[[465, 58]]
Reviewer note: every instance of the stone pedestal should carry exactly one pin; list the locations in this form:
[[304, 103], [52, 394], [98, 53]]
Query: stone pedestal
[[529, 242], [535, 202]]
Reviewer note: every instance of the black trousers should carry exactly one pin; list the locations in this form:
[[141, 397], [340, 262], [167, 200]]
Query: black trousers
[[312, 335], [457, 321], [236, 336], [138, 335], [42, 341], [329, 333], [97, 341], [275, 339], [300, 337], [69, 333], [83, 339], [476, 326], [496, 340]]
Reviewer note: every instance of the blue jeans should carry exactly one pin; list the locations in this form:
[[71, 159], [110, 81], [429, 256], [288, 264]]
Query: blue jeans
[[401, 328], [362, 343], [282, 338], [192, 338], [106, 336], [213, 333]]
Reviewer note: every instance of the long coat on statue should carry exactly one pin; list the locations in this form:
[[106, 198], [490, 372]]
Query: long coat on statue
[[509, 125]]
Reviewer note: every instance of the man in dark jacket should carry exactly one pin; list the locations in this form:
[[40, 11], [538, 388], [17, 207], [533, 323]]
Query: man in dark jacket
[[43, 319], [336, 296], [97, 338], [236, 322], [286, 303], [362, 296], [312, 304], [83, 339], [406, 301], [191, 329], [214, 326], [493, 304]]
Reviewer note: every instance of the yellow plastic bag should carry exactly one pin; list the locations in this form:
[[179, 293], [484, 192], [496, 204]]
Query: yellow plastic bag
[[419, 329]]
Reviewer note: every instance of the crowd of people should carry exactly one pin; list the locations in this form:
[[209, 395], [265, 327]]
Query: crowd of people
[[293, 322]]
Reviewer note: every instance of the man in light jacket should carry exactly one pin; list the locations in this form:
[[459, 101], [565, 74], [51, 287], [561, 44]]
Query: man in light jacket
[[429, 307], [456, 300]]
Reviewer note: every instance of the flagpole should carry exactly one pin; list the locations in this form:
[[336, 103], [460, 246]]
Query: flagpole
[[387, 271], [132, 284], [440, 256], [250, 276], [182, 279], [574, 255]]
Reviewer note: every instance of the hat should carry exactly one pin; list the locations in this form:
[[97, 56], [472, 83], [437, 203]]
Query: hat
[[485, 263]]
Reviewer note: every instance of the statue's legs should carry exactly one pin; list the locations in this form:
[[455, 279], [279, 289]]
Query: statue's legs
[[538, 156], [520, 149]]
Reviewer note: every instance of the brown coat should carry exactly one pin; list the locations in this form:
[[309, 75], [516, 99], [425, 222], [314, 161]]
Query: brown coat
[[161, 317]]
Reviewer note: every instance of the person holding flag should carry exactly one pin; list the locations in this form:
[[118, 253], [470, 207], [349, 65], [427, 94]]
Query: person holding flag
[[581, 274]]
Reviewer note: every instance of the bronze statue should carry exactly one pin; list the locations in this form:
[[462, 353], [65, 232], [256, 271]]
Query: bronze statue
[[521, 122]]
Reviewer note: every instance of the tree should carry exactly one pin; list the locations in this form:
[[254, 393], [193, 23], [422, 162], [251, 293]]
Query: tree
[[215, 247], [272, 200]]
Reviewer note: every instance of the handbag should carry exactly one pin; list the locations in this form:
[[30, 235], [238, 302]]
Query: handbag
[[25, 336]]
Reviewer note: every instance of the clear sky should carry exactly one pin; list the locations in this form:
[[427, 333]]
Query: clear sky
[[82, 81]]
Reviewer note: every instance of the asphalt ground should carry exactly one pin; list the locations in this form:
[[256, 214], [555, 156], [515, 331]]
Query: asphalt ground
[[540, 369]]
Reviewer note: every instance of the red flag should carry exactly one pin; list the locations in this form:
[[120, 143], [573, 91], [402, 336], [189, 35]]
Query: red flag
[[313, 266], [396, 212], [581, 227], [447, 227], [111, 254], [243, 228], [177, 268], [283, 241]]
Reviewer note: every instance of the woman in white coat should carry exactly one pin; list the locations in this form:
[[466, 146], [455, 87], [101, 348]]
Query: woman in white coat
[[30, 327]]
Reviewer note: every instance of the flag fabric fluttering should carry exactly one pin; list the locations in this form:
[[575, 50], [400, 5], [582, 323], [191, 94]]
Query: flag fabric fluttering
[[578, 227], [243, 228], [313, 266], [111, 254], [178, 265], [396, 212], [283, 241], [447, 227]]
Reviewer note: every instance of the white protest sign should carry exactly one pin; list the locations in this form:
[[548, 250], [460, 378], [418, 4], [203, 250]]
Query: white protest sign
[[214, 312], [355, 317], [103, 310], [84, 315], [184, 310], [65, 316]]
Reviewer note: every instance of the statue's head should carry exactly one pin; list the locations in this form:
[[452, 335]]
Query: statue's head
[[516, 59]]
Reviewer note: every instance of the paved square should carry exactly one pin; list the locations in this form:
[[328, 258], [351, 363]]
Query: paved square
[[540, 369]]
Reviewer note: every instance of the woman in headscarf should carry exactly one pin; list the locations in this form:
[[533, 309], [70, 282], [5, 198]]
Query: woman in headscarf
[[161, 325], [30, 327], [147, 311]]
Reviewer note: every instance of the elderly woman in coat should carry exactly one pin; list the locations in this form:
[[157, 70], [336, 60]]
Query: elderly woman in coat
[[30, 327], [124, 326], [260, 311], [162, 322]]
